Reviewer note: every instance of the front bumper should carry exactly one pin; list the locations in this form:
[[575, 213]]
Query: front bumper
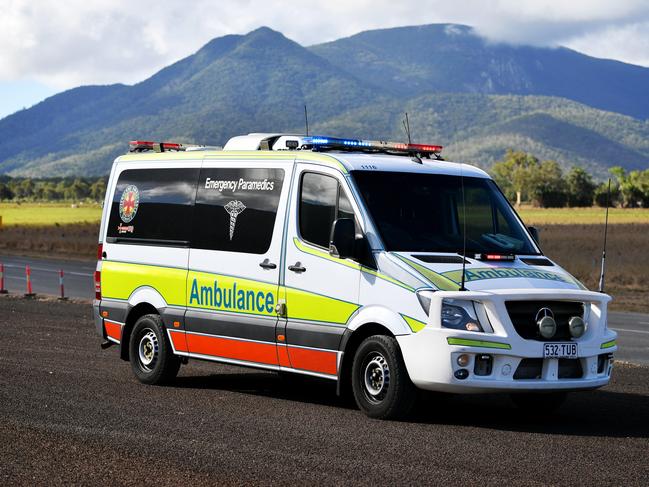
[[431, 354]]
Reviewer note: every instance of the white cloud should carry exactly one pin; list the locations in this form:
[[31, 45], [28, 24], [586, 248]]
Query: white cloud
[[73, 42], [628, 43]]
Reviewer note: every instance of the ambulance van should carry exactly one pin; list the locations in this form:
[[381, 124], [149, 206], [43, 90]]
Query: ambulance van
[[373, 264]]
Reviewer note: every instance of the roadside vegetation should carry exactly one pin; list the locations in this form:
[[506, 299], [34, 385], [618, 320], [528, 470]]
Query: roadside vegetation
[[523, 178], [52, 189]]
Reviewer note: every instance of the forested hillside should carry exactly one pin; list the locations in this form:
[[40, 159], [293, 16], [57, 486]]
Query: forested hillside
[[359, 87]]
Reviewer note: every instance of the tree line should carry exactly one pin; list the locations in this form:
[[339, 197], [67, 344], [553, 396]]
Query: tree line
[[523, 178], [52, 189], [520, 175]]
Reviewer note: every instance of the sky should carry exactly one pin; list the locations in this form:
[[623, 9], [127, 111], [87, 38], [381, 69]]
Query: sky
[[51, 46]]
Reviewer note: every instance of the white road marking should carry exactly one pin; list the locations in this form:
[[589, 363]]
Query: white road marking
[[632, 331]]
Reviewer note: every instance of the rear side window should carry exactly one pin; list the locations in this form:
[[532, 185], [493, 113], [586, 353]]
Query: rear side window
[[153, 205], [322, 200], [236, 209]]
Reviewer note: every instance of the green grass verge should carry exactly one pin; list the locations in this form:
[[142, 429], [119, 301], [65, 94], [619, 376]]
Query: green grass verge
[[48, 213], [582, 216], [63, 213]]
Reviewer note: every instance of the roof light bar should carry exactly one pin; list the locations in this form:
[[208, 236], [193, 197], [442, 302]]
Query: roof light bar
[[146, 145], [322, 142]]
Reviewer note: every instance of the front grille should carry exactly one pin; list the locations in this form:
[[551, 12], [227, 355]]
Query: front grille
[[532, 368], [523, 317], [570, 368], [529, 368]]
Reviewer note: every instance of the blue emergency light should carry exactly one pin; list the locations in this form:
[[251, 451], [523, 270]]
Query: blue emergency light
[[324, 142]]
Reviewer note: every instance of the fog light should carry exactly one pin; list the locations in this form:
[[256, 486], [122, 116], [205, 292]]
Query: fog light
[[461, 374], [547, 326], [463, 360], [507, 369], [577, 326]]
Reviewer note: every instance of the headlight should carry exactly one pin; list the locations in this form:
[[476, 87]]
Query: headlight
[[460, 315]]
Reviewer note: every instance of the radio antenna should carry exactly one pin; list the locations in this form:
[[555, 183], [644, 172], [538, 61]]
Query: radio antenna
[[407, 127], [462, 288], [601, 275], [306, 120]]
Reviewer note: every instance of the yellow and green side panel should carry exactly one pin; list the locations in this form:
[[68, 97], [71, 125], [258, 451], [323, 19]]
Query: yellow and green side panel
[[441, 282], [415, 325]]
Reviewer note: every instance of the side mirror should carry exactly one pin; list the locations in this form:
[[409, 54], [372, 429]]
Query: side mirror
[[343, 235], [535, 234]]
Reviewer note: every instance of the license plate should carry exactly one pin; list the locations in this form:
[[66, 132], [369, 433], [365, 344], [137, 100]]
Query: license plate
[[560, 350]]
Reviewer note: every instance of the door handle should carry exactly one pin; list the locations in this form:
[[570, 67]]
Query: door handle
[[297, 267], [266, 264]]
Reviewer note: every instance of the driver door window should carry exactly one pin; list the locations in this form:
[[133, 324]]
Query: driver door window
[[322, 200]]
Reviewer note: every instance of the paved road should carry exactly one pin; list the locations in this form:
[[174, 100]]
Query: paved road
[[72, 413], [78, 278], [633, 328], [633, 336]]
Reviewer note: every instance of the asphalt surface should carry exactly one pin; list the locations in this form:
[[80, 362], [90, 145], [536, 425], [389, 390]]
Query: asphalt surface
[[72, 413], [633, 336], [77, 276], [633, 328]]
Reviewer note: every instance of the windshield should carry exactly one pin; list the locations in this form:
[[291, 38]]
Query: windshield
[[417, 212]]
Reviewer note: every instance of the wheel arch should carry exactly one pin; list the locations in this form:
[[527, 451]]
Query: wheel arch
[[352, 338], [143, 301]]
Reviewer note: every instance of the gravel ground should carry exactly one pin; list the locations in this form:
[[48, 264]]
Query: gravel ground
[[72, 413]]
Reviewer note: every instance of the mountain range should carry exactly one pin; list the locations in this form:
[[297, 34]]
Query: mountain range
[[474, 97]]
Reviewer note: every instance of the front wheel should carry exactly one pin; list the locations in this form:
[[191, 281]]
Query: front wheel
[[152, 359], [380, 381]]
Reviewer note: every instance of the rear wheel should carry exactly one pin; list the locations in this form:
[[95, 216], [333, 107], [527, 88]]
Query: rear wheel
[[539, 402], [152, 359], [381, 385]]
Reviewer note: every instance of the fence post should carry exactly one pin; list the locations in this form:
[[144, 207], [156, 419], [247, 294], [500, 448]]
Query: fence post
[[28, 277], [62, 297], [2, 279]]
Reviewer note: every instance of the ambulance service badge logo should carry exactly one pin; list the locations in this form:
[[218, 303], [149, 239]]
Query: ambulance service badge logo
[[234, 209], [128, 203]]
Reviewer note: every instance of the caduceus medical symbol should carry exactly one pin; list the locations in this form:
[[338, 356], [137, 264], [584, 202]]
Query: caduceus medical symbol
[[234, 209]]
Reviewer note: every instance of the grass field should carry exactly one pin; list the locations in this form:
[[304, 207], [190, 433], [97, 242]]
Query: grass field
[[583, 216], [48, 213], [52, 213]]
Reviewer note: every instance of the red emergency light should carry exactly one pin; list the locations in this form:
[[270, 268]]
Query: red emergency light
[[500, 257]]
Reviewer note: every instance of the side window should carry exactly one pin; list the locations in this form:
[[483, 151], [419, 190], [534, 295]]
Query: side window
[[345, 209], [322, 200], [236, 209], [153, 204]]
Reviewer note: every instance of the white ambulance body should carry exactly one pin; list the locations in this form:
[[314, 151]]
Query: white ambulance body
[[340, 259]]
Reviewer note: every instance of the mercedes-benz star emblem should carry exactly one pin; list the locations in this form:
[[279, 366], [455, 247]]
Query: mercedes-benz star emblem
[[543, 312]]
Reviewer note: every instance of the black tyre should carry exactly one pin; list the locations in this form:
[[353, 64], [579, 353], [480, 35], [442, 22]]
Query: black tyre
[[152, 359], [380, 381], [539, 403]]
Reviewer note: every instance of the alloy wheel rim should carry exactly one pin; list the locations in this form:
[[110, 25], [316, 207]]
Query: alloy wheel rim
[[148, 350], [376, 377]]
